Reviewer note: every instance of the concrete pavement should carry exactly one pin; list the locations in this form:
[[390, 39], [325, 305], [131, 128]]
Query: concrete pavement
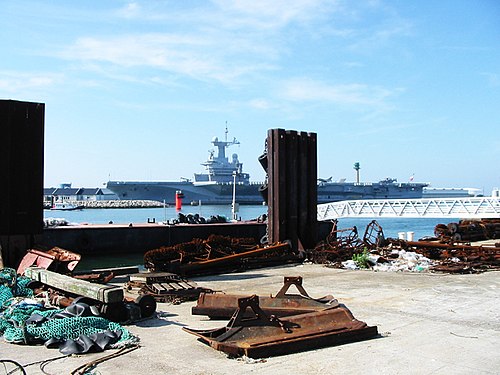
[[429, 324]]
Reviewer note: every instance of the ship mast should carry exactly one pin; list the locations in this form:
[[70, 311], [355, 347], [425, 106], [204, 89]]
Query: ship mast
[[221, 145]]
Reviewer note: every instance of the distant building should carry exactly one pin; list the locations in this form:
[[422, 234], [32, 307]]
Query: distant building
[[65, 193]]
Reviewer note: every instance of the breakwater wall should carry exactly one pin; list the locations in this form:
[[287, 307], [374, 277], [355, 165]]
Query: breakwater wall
[[113, 204], [134, 239], [138, 238]]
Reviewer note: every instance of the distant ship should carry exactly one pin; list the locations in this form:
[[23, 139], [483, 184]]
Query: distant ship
[[432, 192], [216, 185]]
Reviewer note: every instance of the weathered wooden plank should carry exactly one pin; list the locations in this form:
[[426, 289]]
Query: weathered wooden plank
[[160, 288], [176, 286], [99, 292], [185, 285]]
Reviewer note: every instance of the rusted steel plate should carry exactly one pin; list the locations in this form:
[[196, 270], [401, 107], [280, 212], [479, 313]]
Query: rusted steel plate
[[223, 306], [55, 259], [265, 336]]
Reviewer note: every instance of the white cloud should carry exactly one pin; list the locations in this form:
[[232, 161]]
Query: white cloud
[[274, 14], [232, 42], [162, 51], [260, 103], [12, 82], [304, 89], [222, 40], [249, 15], [130, 10], [199, 57], [378, 38]]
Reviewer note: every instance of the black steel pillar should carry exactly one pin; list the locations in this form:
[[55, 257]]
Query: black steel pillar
[[292, 189], [21, 175]]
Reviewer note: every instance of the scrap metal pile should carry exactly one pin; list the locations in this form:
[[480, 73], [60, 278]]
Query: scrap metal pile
[[452, 249], [270, 326], [344, 248], [341, 244], [455, 257], [468, 230], [216, 254], [79, 316]]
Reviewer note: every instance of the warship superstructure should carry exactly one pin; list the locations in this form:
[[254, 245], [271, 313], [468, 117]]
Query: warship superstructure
[[215, 186]]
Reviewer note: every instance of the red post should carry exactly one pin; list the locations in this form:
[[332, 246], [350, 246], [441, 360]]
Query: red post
[[178, 200]]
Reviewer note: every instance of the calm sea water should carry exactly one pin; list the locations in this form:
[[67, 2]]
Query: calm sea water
[[420, 227]]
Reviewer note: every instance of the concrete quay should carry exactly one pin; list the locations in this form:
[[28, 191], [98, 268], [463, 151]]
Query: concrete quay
[[428, 324]]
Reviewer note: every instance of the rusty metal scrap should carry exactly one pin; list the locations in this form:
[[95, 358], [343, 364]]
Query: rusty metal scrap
[[342, 244], [453, 256], [468, 230], [265, 335], [459, 258], [55, 259], [96, 277], [223, 306], [198, 249], [339, 239], [374, 235], [216, 254]]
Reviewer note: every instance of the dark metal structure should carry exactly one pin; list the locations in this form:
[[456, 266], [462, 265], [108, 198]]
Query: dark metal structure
[[290, 161], [21, 177], [21, 167]]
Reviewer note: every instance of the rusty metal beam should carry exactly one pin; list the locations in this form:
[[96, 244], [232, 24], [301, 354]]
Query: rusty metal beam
[[194, 267], [440, 245], [223, 306]]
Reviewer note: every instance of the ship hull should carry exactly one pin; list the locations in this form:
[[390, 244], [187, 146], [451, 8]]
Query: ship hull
[[248, 194], [212, 194]]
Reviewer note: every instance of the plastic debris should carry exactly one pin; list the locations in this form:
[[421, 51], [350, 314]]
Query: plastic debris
[[398, 261]]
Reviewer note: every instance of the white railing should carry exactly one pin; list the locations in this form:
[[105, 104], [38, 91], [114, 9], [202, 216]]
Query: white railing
[[466, 208]]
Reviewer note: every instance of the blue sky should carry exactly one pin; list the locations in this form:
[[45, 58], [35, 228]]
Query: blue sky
[[136, 90]]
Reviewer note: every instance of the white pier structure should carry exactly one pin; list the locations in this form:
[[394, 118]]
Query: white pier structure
[[464, 208]]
